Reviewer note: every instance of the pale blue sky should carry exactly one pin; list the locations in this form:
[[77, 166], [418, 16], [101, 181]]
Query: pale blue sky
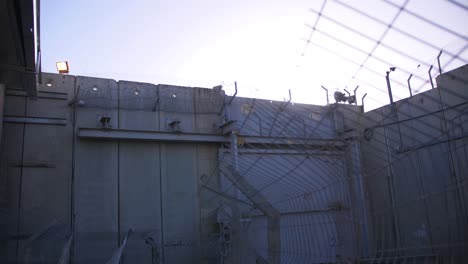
[[256, 43]]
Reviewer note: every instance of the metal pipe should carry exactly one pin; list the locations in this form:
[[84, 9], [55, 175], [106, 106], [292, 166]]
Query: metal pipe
[[326, 91], [287, 103], [438, 62], [349, 94], [362, 101], [235, 93], [387, 77], [355, 170], [290, 98], [38, 67], [409, 85], [430, 76], [391, 190], [355, 89], [38, 41]]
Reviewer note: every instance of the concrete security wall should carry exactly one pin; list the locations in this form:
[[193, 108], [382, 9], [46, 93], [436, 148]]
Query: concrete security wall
[[415, 169], [36, 169], [55, 183], [95, 158]]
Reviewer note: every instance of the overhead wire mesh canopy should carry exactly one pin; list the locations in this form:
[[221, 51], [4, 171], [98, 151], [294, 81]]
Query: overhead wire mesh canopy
[[391, 187], [366, 38]]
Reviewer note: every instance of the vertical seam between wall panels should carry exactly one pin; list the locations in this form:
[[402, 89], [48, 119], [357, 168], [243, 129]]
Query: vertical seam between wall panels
[[76, 91], [198, 198], [421, 181], [18, 215], [195, 123], [391, 187], [451, 161], [195, 97], [161, 202], [160, 179], [118, 167]]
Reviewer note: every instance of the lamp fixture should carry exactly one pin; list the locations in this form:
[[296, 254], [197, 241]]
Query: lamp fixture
[[62, 67]]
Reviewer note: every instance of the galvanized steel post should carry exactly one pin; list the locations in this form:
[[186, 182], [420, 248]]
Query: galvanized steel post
[[356, 171]]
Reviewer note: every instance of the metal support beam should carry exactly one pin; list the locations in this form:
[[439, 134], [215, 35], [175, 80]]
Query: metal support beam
[[307, 212], [40, 94], [286, 151], [273, 221], [225, 195], [120, 134], [35, 120], [305, 142]]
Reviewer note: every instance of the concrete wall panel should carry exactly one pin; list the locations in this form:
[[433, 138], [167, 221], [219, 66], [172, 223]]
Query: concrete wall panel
[[180, 203], [140, 203], [452, 86], [10, 175], [96, 204], [208, 103], [209, 201], [14, 105], [49, 108], [138, 106], [99, 97], [176, 104], [46, 187], [56, 84]]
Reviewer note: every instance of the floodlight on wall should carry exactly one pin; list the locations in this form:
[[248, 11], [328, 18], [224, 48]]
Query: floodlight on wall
[[62, 67]]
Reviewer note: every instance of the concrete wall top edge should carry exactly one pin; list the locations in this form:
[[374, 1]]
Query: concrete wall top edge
[[448, 81], [241, 99]]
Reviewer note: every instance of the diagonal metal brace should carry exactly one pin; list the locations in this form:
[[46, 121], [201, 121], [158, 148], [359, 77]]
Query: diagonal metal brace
[[260, 202]]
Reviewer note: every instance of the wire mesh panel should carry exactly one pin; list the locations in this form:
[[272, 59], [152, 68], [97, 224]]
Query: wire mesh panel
[[393, 192], [312, 196], [415, 160]]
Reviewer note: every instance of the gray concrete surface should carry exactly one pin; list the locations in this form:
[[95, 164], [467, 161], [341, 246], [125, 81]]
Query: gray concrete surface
[[92, 157]]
